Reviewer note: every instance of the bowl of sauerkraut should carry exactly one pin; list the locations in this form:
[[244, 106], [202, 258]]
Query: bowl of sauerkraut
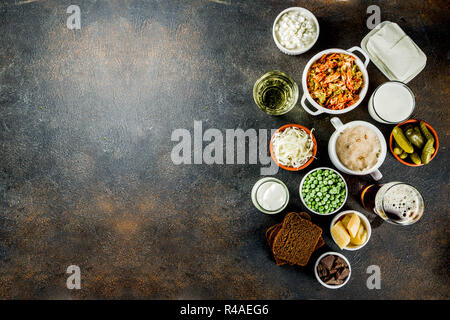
[[293, 147]]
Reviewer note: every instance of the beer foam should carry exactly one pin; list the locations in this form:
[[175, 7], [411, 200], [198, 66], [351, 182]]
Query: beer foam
[[402, 201]]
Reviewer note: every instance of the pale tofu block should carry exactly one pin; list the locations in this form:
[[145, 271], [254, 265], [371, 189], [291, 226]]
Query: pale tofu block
[[399, 54], [360, 237], [385, 38], [403, 58], [340, 235], [346, 219], [353, 225]]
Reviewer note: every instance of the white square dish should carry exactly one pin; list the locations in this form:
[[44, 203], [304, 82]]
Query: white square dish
[[416, 65]]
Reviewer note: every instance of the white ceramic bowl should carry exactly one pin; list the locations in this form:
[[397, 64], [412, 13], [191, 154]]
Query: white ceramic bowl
[[328, 285], [304, 202], [306, 95], [339, 126], [364, 220], [307, 13]]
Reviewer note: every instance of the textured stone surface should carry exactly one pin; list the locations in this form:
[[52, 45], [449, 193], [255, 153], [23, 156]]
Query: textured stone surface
[[85, 172]]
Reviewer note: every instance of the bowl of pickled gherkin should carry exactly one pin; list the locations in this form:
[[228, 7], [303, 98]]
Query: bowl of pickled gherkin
[[414, 142]]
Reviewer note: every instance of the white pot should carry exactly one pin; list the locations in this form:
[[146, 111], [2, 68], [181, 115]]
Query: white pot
[[317, 274], [339, 126], [305, 12], [364, 221], [362, 66]]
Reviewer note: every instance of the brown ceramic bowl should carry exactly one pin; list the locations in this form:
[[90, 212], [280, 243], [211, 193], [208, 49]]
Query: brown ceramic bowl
[[314, 150], [416, 122]]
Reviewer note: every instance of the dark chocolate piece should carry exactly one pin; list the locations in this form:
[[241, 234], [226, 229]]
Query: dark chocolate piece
[[333, 270], [328, 262]]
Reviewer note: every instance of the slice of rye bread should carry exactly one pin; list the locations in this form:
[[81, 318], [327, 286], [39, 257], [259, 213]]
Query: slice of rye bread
[[268, 231], [302, 240], [306, 216], [273, 231], [296, 240], [271, 236], [321, 242]]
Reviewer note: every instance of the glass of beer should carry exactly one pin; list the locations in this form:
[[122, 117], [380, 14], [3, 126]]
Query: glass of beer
[[395, 202]]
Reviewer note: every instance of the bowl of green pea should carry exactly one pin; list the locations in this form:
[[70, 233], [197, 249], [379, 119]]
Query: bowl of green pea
[[323, 191]]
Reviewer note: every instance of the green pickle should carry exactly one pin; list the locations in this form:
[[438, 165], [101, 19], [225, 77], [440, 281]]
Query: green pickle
[[425, 131], [403, 155], [415, 158], [397, 150], [414, 136], [427, 151], [402, 141], [419, 134]]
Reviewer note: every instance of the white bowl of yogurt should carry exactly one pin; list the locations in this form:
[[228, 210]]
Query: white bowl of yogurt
[[295, 30], [270, 195]]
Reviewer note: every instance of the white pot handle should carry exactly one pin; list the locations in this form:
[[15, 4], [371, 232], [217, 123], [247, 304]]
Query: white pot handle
[[362, 52], [314, 113], [376, 175], [336, 122]]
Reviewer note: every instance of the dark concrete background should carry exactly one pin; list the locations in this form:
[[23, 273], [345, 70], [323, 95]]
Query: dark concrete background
[[85, 171]]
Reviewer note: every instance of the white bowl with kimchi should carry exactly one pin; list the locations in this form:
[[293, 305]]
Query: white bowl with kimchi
[[335, 81]]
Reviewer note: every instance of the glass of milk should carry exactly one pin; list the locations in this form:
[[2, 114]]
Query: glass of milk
[[392, 102]]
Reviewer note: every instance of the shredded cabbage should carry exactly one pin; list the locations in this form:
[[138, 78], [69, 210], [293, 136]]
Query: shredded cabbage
[[292, 147]]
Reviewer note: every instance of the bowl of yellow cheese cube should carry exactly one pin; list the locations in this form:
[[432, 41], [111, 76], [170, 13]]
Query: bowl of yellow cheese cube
[[350, 230]]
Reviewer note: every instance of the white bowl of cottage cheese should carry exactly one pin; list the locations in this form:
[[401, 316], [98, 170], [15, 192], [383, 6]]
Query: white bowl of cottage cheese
[[295, 30]]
